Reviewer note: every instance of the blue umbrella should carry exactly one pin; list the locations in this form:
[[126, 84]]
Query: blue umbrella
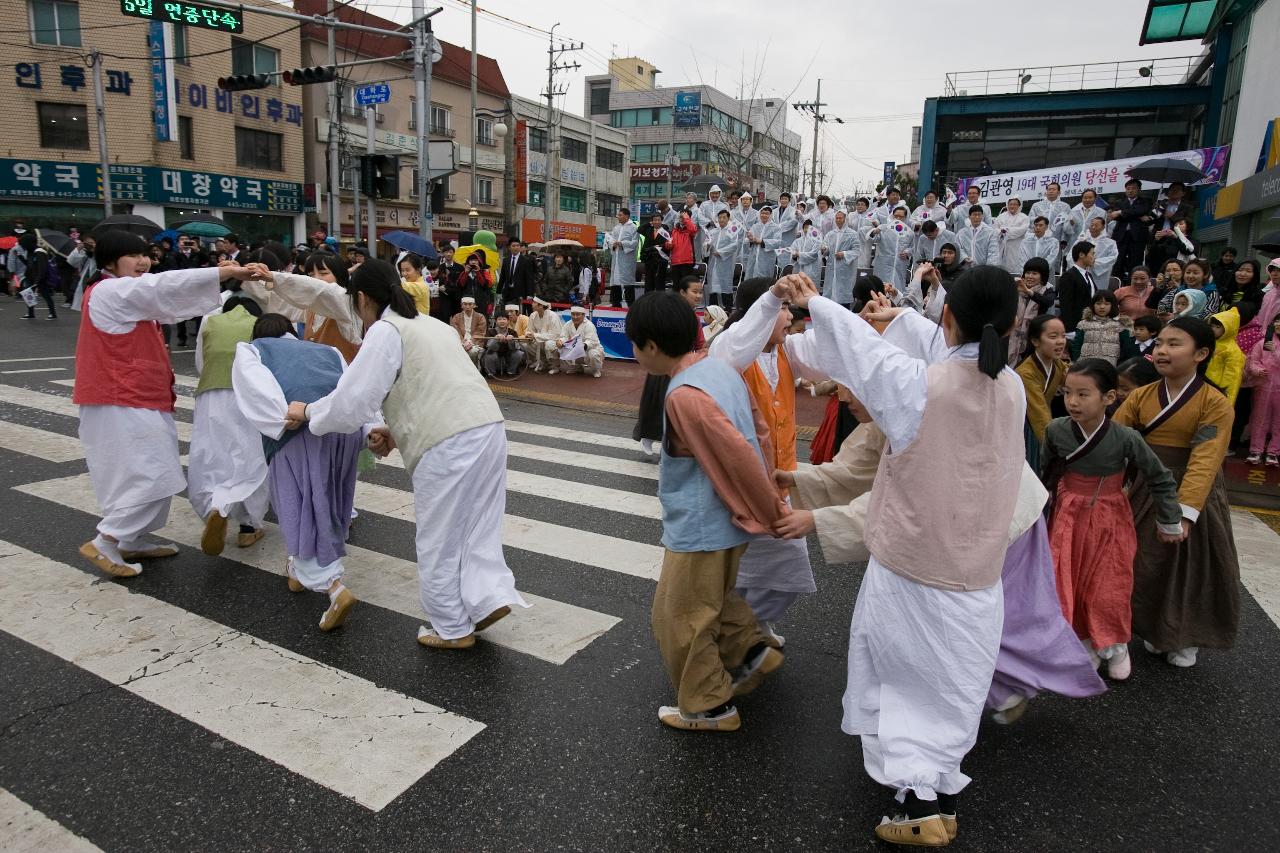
[[409, 242], [168, 234]]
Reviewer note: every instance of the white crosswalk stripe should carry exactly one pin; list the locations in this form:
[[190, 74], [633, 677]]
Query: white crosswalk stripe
[[49, 446], [550, 630], [374, 743], [58, 405], [26, 830]]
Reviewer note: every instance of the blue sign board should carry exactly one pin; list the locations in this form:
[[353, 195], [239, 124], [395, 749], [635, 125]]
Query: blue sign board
[[162, 84], [377, 93], [688, 109], [889, 166]]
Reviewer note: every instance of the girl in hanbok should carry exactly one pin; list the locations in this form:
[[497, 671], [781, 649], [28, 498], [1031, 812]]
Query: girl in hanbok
[[1091, 532], [722, 247], [1012, 225], [1186, 596], [312, 477], [841, 247], [1043, 371]]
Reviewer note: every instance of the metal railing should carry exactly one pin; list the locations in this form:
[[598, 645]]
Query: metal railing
[[1072, 78], [442, 130]]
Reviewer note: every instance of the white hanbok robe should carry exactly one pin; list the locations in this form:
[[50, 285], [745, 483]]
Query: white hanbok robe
[[1058, 212], [302, 293], [979, 245], [1105, 254], [921, 659], [723, 245], [761, 259], [843, 246], [462, 574], [959, 218], [226, 467], [806, 255], [622, 243], [132, 454], [542, 328], [1011, 228], [1041, 247], [788, 224]]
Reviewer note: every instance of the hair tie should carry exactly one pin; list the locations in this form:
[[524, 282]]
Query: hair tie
[[986, 326]]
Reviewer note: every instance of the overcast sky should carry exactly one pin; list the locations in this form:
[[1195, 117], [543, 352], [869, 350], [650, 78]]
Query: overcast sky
[[876, 73]]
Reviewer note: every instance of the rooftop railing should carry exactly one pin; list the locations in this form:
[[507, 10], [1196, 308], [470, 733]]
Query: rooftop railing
[[1072, 78]]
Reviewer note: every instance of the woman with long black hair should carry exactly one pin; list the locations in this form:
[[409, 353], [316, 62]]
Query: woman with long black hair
[[444, 420]]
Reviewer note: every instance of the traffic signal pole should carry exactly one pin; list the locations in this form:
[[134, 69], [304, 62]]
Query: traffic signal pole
[[371, 226]]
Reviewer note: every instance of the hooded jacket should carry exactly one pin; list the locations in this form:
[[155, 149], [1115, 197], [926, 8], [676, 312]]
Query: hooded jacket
[[1226, 367]]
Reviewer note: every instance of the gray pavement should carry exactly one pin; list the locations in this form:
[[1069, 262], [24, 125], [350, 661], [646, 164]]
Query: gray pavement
[[571, 755]]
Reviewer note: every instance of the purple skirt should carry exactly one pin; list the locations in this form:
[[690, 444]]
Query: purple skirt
[[1039, 650], [313, 486]]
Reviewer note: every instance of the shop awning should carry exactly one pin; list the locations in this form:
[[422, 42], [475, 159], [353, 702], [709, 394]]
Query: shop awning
[[1176, 20]]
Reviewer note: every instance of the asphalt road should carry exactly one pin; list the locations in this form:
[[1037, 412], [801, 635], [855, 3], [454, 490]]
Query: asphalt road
[[556, 744]]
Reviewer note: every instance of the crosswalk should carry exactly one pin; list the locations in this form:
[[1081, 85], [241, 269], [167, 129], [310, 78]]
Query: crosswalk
[[270, 699]]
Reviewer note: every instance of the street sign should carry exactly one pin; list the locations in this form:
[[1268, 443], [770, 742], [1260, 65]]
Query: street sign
[[376, 93], [190, 14], [889, 167]]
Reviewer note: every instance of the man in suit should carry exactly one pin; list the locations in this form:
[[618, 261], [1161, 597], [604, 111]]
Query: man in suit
[[1077, 285], [472, 329], [1132, 217], [516, 278]]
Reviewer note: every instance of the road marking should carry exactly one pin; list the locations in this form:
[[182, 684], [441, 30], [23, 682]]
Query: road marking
[[25, 830], [550, 630], [36, 370], [565, 434], [41, 358], [566, 543], [1257, 546], [49, 446], [336, 729], [58, 405]]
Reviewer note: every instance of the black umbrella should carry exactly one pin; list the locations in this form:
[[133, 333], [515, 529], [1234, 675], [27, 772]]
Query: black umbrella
[[1167, 170], [140, 225], [56, 240], [1269, 243], [702, 184]]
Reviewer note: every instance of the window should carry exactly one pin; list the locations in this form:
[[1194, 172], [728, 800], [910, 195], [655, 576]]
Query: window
[[413, 183], [485, 190], [536, 191], [611, 160], [608, 205], [649, 153], [259, 149], [646, 117], [249, 57], [574, 201], [63, 126], [600, 99], [186, 138], [55, 22], [538, 139], [180, 52], [484, 131], [573, 149], [441, 121], [413, 117]]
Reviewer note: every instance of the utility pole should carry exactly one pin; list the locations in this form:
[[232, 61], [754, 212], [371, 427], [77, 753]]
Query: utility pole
[[335, 121], [475, 182], [815, 106], [371, 212], [423, 57], [553, 164], [95, 58]]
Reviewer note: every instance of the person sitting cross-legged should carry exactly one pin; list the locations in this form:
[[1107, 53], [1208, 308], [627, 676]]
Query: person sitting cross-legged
[[472, 328], [503, 354]]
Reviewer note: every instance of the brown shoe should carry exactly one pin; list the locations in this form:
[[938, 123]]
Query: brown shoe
[[429, 638], [244, 540], [156, 552], [492, 617], [919, 832], [339, 608], [214, 538], [728, 721], [104, 564], [295, 585], [952, 826], [753, 672]]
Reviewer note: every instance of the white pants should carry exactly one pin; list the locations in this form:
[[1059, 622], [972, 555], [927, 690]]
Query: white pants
[[314, 576], [920, 665], [226, 468], [129, 525], [591, 362], [459, 498], [132, 455]]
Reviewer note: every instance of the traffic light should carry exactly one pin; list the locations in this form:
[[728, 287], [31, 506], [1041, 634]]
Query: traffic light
[[241, 82], [437, 196], [314, 74], [380, 176]]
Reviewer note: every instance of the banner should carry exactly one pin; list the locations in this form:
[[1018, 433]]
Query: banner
[[611, 327], [522, 162], [163, 86], [688, 109], [1103, 177]]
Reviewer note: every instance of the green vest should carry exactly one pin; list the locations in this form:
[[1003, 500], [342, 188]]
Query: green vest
[[219, 335]]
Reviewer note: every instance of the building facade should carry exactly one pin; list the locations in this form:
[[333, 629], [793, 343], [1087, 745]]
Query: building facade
[[589, 162], [678, 133], [396, 131], [175, 142]]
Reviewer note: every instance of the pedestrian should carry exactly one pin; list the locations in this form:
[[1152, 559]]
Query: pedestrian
[[1101, 334], [408, 367], [39, 278], [558, 283], [927, 624], [1086, 459], [126, 416], [716, 492], [1185, 596], [1264, 373], [1043, 370]]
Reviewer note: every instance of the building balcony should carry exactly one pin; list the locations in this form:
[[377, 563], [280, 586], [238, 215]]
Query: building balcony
[[442, 130], [1129, 73]]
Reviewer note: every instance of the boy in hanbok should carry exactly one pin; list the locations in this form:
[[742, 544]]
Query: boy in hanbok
[[716, 493], [124, 387], [313, 477]]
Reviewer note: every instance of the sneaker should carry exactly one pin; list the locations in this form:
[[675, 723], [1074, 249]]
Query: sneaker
[[29, 317], [702, 721], [1118, 665], [752, 673], [52, 317], [1183, 658], [340, 605], [429, 638], [1011, 710], [553, 371], [1254, 459], [1273, 460]]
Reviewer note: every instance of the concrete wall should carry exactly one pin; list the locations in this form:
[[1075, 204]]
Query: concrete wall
[[1260, 94]]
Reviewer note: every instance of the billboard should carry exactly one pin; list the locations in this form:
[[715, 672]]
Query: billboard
[[688, 109]]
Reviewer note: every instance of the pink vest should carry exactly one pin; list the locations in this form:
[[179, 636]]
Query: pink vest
[[940, 509]]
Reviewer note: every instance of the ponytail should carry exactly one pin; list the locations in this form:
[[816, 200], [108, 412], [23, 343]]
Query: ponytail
[[380, 282], [983, 301], [993, 351]]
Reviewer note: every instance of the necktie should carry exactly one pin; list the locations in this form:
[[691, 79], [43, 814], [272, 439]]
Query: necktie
[[1093, 286]]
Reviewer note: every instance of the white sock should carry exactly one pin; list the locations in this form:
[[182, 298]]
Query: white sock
[[111, 551], [335, 592], [646, 444]]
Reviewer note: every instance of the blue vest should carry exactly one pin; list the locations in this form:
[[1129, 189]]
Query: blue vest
[[693, 516], [306, 372]]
